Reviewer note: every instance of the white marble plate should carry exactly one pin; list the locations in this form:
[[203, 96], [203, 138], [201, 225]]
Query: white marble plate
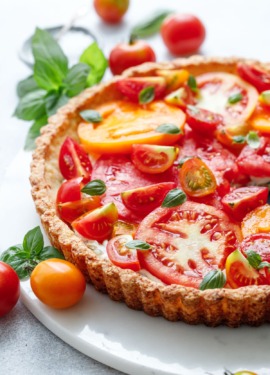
[[128, 340]]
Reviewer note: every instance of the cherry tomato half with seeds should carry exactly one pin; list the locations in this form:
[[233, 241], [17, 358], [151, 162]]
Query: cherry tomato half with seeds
[[153, 159], [9, 288], [255, 76], [74, 161], [256, 221], [243, 200], [126, 55], [120, 255], [182, 33], [196, 179], [57, 283], [202, 121], [111, 11]]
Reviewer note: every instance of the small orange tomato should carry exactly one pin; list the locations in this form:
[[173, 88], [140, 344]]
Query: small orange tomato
[[256, 221], [58, 283], [111, 11]]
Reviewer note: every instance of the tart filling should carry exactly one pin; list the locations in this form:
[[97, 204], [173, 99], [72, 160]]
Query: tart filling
[[146, 154]]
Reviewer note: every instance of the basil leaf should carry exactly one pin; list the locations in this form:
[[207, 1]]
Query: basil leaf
[[253, 258], [31, 106], [33, 241], [239, 139], [253, 140], [263, 264], [138, 245], [174, 198], [27, 85], [147, 95], [34, 132], [192, 83], [91, 115], [235, 98], [168, 129], [53, 101], [51, 64], [95, 59], [76, 79], [213, 279], [50, 252], [95, 187], [150, 26]]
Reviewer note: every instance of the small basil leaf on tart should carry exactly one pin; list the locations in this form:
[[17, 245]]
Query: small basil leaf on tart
[[214, 279]]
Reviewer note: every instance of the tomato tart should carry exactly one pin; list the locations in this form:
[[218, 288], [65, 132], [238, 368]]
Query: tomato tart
[[155, 185]]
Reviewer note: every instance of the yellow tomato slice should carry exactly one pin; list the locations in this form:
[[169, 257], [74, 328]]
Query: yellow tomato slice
[[257, 221], [217, 94], [125, 123], [260, 119]]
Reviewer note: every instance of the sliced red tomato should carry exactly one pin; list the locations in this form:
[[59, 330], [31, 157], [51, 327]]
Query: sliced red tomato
[[243, 200], [146, 199], [202, 121], [216, 90], [131, 87], [120, 174], [255, 76], [196, 179], [153, 159], [181, 97], [120, 255], [74, 161], [71, 203], [260, 243], [240, 273], [97, 224], [225, 137], [255, 162], [257, 221], [129, 123], [186, 242]]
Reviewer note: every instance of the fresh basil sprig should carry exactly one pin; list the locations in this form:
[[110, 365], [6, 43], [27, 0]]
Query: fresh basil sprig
[[213, 279], [174, 198], [90, 115], [138, 245], [147, 95], [95, 187], [168, 129], [150, 26], [24, 258], [53, 82]]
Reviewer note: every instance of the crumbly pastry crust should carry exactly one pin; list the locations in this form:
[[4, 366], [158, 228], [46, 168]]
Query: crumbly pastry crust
[[232, 307]]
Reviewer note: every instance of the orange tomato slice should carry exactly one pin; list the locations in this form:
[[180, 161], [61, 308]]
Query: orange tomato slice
[[257, 221], [260, 119], [126, 123]]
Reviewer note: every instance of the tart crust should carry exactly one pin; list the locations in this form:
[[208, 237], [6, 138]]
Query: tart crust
[[232, 307]]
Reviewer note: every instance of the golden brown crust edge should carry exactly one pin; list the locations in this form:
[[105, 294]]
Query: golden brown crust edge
[[249, 305]]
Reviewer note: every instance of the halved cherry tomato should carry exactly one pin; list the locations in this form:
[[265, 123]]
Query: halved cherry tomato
[[202, 121], [224, 136], [71, 203], [146, 199], [186, 242], [260, 243], [97, 224], [260, 119], [255, 76], [240, 273], [120, 255], [130, 123], [131, 87], [255, 162], [58, 283], [243, 200], [196, 179], [174, 78], [181, 97], [74, 161], [126, 55], [215, 91], [256, 221], [153, 159]]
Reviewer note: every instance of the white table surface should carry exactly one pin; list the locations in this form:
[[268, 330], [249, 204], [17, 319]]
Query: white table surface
[[234, 28]]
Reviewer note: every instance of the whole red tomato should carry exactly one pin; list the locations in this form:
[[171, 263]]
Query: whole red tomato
[[9, 288], [126, 55], [111, 11], [182, 33]]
